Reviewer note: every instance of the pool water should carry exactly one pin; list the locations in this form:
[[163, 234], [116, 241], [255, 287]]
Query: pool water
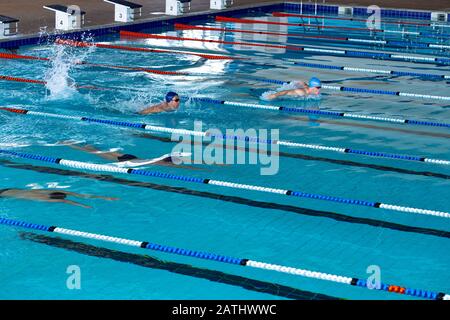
[[410, 249]]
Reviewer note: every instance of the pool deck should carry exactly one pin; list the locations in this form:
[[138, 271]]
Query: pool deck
[[32, 15]]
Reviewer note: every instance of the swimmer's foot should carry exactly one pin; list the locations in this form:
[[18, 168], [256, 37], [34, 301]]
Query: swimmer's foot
[[104, 198]]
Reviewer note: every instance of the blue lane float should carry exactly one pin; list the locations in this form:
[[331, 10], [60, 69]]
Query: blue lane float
[[366, 70], [144, 126], [364, 90], [226, 184], [244, 262], [353, 116]]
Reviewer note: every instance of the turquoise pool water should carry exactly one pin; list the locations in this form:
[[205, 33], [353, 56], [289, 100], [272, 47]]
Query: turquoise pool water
[[410, 249]]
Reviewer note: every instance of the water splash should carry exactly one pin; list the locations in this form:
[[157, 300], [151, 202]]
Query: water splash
[[60, 84]]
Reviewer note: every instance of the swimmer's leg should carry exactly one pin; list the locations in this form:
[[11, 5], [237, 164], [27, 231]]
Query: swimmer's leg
[[67, 202], [93, 150], [88, 196], [87, 147]]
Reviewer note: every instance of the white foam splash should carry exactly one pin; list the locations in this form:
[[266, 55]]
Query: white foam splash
[[55, 185], [13, 145], [49, 185], [59, 82]]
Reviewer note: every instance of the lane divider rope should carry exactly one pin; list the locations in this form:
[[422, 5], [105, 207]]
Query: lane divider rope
[[233, 137], [83, 44], [100, 65], [24, 80], [284, 14], [367, 30], [365, 70], [226, 184], [178, 25], [328, 87], [18, 56], [401, 44], [386, 92], [348, 53], [276, 108], [324, 113], [362, 283]]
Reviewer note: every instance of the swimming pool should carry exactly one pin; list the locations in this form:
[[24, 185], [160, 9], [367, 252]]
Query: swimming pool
[[298, 231]]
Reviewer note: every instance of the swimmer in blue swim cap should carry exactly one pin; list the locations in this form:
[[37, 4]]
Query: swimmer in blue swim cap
[[170, 103], [303, 89]]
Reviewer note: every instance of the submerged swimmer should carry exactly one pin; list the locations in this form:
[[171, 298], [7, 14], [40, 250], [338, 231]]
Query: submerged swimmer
[[49, 195], [311, 89], [129, 160], [170, 103]]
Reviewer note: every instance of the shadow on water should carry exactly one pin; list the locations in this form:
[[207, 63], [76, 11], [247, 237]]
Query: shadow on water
[[232, 199], [174, 267]]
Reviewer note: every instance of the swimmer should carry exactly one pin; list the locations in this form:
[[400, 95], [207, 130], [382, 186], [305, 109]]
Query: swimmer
[[171, 103], [129, 160], [311, 89], [49, 195]]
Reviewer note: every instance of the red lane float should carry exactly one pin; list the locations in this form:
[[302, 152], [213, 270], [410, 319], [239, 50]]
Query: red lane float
[[238, 20], [25, 80], [13, 110], [16, 56], [180, 26], [283, 14], [83, 44], [101, 65], [156, 36], [15, 79]]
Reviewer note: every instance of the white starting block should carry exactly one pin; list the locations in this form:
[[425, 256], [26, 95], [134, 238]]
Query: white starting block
[[8, 26], [438, 16], [67, 18], [125, 11], [220, 4], [345, 10], [177, 7]]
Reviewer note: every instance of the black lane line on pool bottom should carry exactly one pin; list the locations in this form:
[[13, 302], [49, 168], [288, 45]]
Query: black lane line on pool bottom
[[322, 159], [175, 267], [233, 199]]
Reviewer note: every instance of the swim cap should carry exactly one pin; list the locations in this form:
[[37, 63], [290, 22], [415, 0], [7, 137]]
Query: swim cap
[[314, 82], [170, 95]]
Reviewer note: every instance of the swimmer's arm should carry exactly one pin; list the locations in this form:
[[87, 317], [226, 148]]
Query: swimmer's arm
[[153, 109], [299, 92], [279, 94], [68, 202], [88, 196]]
